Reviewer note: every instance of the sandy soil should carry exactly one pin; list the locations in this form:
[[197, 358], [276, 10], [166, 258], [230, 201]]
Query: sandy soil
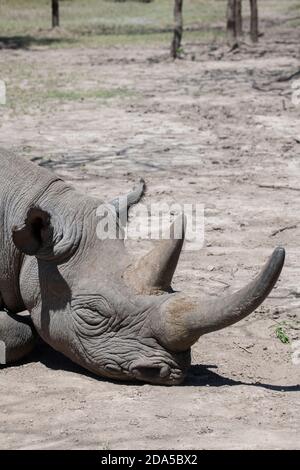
[[211, 130]]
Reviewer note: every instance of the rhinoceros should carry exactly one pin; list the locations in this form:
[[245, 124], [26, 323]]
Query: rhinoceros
[[87, 298]]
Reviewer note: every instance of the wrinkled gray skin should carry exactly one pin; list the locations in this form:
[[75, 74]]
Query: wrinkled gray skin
[[86, 297]]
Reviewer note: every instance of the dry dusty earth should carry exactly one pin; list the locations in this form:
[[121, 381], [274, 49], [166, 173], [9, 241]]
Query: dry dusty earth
[[217, 130]]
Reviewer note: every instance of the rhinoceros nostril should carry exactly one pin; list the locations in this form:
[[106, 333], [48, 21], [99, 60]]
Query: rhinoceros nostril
[[165, 371]]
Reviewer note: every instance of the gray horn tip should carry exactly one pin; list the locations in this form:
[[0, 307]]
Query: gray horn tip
[[278, 256]]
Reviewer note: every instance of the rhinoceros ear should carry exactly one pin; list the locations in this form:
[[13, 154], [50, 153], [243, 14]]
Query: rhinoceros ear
[[35, 236]]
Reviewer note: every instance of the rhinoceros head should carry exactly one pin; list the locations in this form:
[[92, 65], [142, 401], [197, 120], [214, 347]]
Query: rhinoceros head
[[118, 318]]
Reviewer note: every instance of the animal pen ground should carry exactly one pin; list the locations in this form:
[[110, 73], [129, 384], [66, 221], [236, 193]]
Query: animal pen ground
[[216, 127]]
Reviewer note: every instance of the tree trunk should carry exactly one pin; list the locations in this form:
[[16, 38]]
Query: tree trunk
[[254, 20], [231, 19], [55, 13], [176, 43], [238, 17]]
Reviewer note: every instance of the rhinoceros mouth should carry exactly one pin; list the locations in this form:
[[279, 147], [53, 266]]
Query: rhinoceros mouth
[[158, 374]]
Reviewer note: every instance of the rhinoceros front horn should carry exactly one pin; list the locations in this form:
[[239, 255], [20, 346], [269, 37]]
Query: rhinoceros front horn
[[182, 320]]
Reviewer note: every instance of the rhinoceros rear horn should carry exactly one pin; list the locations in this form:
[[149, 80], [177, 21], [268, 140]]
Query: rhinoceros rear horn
[[154, 271], [182, 319]]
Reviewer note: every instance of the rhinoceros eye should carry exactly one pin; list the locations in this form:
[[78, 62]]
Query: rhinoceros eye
[[92, 316], [95, 304]]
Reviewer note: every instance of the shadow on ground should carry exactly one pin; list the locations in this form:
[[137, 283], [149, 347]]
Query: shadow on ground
[[143, 30], [24, 42], [203, 375], [198, 375]]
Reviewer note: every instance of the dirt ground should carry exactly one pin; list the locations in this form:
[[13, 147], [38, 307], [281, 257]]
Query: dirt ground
[[215, 128]]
